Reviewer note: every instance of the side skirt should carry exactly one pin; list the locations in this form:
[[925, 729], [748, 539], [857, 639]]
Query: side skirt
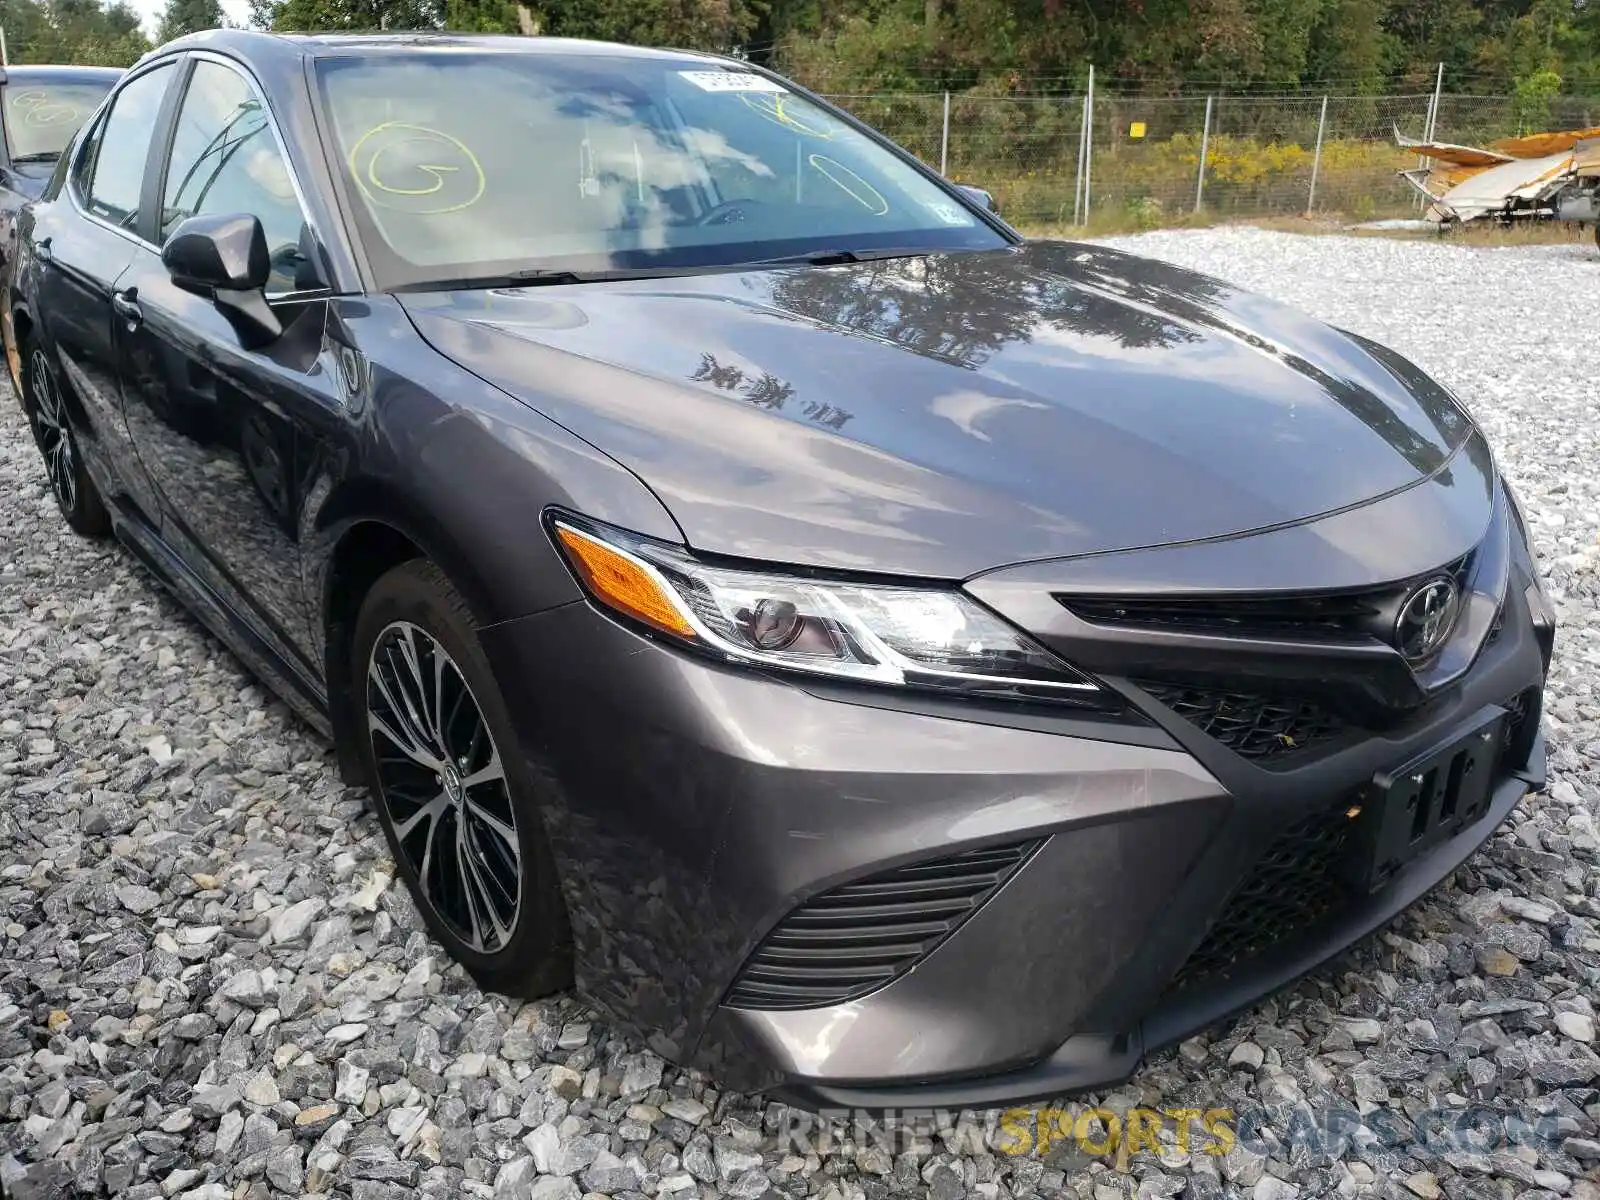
[[306, 696]]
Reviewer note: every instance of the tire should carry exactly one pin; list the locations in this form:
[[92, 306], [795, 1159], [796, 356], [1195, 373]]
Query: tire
[[465, 831], [75, 493]]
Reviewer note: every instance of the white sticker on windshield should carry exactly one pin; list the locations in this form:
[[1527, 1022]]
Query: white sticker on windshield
[[731, 81], [947, 212]]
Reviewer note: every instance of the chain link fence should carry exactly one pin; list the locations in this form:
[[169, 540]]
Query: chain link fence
[[1157, 159]]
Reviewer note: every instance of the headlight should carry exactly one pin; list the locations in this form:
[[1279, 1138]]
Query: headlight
[[918, 637]]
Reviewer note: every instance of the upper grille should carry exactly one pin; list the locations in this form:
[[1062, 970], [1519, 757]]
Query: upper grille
[[1339, 615], [853, 939], [1252, 726], [1310, 616], [1294, 883]]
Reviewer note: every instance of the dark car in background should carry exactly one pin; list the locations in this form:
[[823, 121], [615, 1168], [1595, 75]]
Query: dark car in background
[[883, 659], [41, 108]]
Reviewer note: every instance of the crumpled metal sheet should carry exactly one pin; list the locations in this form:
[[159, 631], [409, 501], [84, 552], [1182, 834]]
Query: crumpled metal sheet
[[1541, 145], [1520, 179], [1586, 158], [1461, 156], [1508, 176]]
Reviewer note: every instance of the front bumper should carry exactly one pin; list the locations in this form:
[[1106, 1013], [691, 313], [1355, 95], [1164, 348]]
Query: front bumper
[[691, 808], [1094, 1060]]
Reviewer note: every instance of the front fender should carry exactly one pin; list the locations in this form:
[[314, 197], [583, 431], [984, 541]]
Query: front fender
[[459, 467], [421, 448]]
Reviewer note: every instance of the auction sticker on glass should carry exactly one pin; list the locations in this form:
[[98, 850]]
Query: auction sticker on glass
[[731, 81]]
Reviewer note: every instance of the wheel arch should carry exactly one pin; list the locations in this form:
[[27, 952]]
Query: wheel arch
[[21, 323], [367, 529]]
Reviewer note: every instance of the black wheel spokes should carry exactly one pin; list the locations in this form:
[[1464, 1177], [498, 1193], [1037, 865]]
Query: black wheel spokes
[[54, 436], [444, 786]]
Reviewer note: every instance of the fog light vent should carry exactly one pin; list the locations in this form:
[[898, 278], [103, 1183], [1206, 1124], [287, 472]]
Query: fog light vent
[[857, 937]]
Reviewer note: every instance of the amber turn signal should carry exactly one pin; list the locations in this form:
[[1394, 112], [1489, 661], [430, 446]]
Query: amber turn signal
[[618, 581]]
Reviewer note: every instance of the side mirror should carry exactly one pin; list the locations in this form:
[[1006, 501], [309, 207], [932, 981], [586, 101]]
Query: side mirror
[[984, 198], [225, 257]]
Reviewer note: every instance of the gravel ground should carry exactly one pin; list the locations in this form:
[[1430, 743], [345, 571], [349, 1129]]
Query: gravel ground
[[209, 986]]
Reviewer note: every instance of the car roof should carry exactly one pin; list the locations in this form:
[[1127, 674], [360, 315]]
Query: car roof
[[256, 45], [42, 73]]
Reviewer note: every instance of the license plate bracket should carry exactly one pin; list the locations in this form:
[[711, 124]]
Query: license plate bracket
[[1408, 811]]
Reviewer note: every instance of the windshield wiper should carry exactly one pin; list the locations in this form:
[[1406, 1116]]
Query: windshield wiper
[[829, 258], [546, 276], [41, 156], [549, 276]]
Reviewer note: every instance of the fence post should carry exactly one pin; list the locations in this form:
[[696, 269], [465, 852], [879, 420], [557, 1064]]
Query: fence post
[[1205, 148], [1316, 159], [1088, 156], [944, 140], [1083, 145], [1433, 109], [1428, 123]]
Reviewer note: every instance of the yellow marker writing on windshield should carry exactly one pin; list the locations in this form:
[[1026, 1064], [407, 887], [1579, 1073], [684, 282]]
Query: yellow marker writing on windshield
[[776, 107], [38, 109], [851, 184], [451, 171]]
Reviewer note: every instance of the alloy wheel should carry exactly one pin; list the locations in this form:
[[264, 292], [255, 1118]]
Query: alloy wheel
[[52, 432], [443, 787]]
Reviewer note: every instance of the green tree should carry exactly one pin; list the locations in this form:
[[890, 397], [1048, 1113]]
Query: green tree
[[1349, 46], [189, 16], [73, 31], [1530, 100], [490, 16], [1430, 32], [1285, 28], [693, 24], [316, 15]]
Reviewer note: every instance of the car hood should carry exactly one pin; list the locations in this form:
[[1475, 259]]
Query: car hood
[[943, 415], [30, 178]]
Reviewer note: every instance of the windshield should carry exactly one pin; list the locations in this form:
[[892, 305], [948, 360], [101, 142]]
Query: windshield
[[40, 118], [470, 166]]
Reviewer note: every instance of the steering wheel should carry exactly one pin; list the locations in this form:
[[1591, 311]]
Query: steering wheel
[[729, 212]]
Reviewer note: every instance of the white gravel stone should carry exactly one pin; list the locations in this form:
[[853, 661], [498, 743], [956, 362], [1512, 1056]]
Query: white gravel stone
[[1363, 1030], [352, 1086], [1576, 1026], [685, 1108], [262, 1090], [1270, 1187], [293, 922], [1247, 1055]]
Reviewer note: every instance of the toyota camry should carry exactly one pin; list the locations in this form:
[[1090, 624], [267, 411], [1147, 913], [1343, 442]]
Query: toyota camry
[[881, 659]]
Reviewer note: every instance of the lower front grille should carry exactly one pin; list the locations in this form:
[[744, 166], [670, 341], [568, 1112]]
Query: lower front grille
[[1253, 726], [1304, 874], [1295, 883], [1523, 712], [856, 938]]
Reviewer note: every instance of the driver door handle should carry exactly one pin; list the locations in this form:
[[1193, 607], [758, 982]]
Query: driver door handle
[[125, 305]]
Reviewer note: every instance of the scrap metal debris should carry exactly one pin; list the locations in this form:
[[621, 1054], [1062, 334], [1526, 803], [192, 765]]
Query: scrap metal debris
[[1540, 176]]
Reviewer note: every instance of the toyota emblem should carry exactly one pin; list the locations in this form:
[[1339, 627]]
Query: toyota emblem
[[1426, 618]]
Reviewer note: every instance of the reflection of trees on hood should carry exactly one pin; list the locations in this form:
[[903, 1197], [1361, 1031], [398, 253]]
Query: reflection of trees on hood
[[766, 391], [962, 308], [1201, 301]]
